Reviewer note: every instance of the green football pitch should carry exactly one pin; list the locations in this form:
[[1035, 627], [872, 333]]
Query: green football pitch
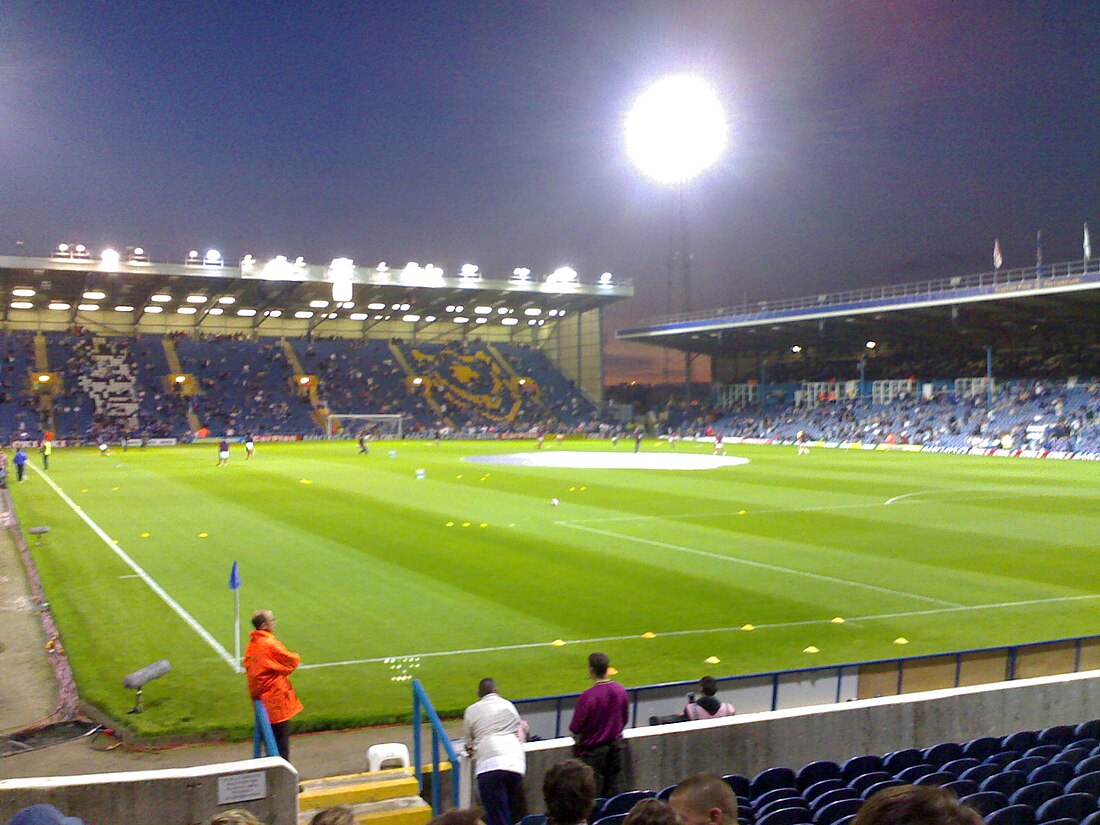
[[378, 576]]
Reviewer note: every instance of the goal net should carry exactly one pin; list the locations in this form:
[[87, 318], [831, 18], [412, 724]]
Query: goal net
[[352, 425]]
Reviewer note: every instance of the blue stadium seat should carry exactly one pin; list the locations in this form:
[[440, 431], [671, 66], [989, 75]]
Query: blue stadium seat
[[1003, 758], [1044, 752], [815, 772], [915, 772], [1060, 772], [1065, 820], [597, 808], [738, 783], [835, 810], [894, 763], [1060, 735], [759, 802], [829, 797], [961, 787], [1020, 741], [957, 766], [937, 778], [769, 779], [1087, 765], [785, 816], [774, 800], [1075, 806], [665, 793], [533, 819], [982, 748], [623, 802], [1026, 764], [1006, 782], [1085, 783], [1012, 815], [865, 780], [1088, 743], [1035, 795], [942, 753], [985, 802], [845, 820], [880, 786], [818, 788], [1090, 729], [1072, 755], [1092, 819], [980, 773], [613, 819], [860, 764]]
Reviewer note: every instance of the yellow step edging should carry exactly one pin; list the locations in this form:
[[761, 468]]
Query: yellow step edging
[[353, 792]]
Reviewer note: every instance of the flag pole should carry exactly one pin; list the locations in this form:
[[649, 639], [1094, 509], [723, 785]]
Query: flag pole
[[237, 629]]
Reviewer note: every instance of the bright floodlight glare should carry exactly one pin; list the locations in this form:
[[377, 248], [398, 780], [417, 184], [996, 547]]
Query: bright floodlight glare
[[676, 129], [871, 345]]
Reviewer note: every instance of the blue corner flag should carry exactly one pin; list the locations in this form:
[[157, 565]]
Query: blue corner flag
[[234, 578]]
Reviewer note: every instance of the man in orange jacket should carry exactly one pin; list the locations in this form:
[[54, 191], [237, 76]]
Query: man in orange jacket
[[268, 663]]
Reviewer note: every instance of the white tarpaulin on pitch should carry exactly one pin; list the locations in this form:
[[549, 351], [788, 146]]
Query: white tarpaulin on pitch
[[610, 461]]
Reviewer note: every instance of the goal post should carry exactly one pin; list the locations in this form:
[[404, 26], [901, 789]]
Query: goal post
[[384, 425]]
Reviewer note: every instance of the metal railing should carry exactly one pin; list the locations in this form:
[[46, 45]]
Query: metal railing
[[784, 689], [422, 705], [916, 289]]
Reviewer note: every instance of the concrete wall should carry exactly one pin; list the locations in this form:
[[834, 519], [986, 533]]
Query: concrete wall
[[181, 796], [747, 744]]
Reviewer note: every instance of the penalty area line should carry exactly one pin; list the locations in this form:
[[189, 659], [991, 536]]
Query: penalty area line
[[190, 620], [701, 631]]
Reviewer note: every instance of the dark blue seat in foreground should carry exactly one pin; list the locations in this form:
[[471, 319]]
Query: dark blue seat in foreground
[[1035, 795], [622, 803], [816, 772], [1012, 815], [770, 779], [835, 810], [1085, 783], [1075, 806], [985, 802]]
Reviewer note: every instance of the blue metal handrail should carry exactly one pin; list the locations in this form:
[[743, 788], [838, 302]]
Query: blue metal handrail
[[263, 737], [421, 705], [638, 693]]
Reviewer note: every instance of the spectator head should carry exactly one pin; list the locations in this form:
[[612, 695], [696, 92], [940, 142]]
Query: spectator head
[[709, 685], [569, 791], [916, 805], [237, 816], [43, 815], [598, 664], [334, 816], [651, 812], [486, 686], [459, 816], [704, 799], [263, 619]]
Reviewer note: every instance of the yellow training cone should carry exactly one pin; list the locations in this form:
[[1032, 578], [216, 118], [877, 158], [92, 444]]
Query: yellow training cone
[[145, 535], [748, 627], [837, 620], [306, 481], [114, 488], [459, 475], [465, 524], [203, 535], [558, 643], [572, 489], [612, 671], [649, 635], [810, 649], [449, 524], [740, 512], [84, 490], [712, 660], [583, 489], [901, 640], [483, 524]]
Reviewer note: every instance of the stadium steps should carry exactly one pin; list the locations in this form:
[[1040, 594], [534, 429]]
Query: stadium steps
[[41, 354], [508, 368], [407, 367], [292, 357], [389, 797], [318, 411], [174, 365]]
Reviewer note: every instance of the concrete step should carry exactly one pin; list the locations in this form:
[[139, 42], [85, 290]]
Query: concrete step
[[354, 788], [405, 810]]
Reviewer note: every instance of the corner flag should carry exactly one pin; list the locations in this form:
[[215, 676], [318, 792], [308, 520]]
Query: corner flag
[[235, 586], [1087, 244], [234, 578]]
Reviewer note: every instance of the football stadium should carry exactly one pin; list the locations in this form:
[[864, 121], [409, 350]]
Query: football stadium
[[320, 539]]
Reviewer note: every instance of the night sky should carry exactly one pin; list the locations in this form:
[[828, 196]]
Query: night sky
[[871, 142]]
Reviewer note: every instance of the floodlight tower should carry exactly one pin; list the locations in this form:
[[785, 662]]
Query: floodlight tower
[[675, 131]]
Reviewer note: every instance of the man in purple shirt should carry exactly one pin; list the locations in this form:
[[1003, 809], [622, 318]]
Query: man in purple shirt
[[597, 727]]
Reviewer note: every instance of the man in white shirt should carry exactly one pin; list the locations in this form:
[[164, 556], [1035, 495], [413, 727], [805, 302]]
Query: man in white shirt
[[491, 727]]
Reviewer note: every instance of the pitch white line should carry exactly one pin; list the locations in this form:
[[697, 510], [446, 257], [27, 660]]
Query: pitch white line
[[728, 512], [700, 631], [775, 568], [133, 565]]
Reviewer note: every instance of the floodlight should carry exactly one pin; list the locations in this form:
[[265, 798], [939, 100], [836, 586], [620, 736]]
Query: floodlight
[[796, 349], [522, 382], [318, 304], [871, 345], [274, 313], [139, 252], [404, 307], [197, 299], [562, 275], [358, 316], [81, 249], [58, 306], [410, 319], [304, 380], [375, 305], [521, 273], [110, 257], [124, 308], [247, 263], [532, 322], [227, 299], [87, 307], [187, 310], [22, 305], [342, 291], [377, 317], [459, 309], [418, 381], [483, 310], [246, 313], [303, 314], [23, 292], [503, 311], [94, 295], [607, 279], [160, 298], [509, 322], [154, 310], [212, 257], [181, 379], [429, 319], [481, 320], [299, 261], [676, 129], [382, 267], [193, 255], [469, 271], [531, 311], [215, 311], [458, 319], [62, 247], [44, 378]]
